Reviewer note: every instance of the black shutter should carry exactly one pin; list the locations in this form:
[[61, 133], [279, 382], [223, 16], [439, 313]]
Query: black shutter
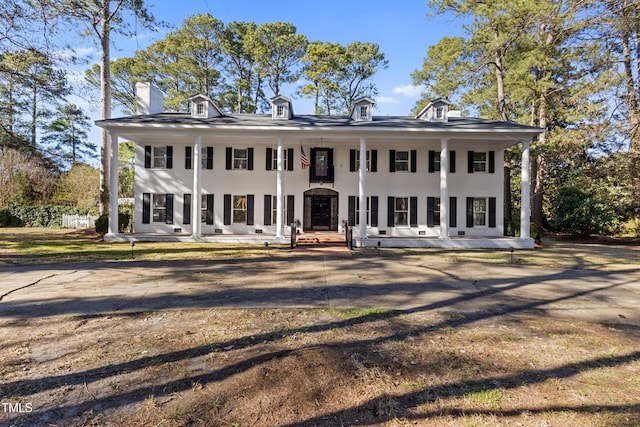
[[227, 209], [268, 211], [169, 157], [169, 200], [469, 212], [413, 211], [351, 216], [209, 215], [269, 164], [352, 160], [250, 159], [470, 161], [453, 212], [432, 161], [146, 208], [250, 210], [452, 161], [431, 207], [374, 161], [392, 161], [188, 154], [209, 164], [229, 158], [374, 211], [492, 162], [290, 159], [391, 209], [414, 160], [186, 209], [492, 212], [147, 157], [290, 209]]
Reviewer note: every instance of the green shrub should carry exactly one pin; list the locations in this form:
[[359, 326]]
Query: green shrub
[[124, 223], [581, 212], [47, 216]]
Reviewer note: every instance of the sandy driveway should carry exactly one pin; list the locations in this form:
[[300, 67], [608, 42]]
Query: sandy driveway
[[322, 281]]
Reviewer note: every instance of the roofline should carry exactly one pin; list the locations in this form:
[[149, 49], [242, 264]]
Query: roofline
[[360, 131]]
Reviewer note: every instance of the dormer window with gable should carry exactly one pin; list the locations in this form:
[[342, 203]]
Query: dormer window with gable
[[203, 107], [435, 111], [281, 108], [361, 110]]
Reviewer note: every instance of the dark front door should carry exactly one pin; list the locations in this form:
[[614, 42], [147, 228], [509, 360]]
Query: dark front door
[[320, 212]]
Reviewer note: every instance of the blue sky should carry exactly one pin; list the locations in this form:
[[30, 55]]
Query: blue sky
[[402, 29]]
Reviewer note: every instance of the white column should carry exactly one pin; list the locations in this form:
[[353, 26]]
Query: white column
[[196, 198], [444, 188], [280, 190], [525, 204], [362, 188], [113, 185]]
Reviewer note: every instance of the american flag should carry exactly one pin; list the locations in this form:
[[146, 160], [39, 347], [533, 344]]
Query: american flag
[[304, 160]]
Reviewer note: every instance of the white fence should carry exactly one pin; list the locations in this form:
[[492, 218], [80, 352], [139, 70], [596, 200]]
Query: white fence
[[79, 221]]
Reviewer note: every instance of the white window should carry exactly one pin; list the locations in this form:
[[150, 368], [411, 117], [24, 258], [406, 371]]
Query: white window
[[280, 110], [436, 161], [401, 213], [160, 208], [479, 212], [240, 209], [402, 161], [205, 158], [203, 209], [358, 211], [368, 160], [364, 111], [439, 112], [240, 158], [200, 108], [479, 161], [159, 157], [274, 165]]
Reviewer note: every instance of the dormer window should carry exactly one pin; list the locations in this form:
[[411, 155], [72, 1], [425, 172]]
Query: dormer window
[[435, 111], [281, 108], [361, 110], [364, 111], [203, 107]]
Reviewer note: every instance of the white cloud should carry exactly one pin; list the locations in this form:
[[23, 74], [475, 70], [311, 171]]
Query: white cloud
[[386, 100], [409, 91]]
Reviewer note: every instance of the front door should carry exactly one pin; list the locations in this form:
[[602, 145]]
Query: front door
[[320, 210]]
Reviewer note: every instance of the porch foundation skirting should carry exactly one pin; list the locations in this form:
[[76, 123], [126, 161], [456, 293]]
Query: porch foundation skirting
[[370, 242]]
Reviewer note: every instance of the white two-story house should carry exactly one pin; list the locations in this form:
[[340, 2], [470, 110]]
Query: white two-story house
[[435, 179]]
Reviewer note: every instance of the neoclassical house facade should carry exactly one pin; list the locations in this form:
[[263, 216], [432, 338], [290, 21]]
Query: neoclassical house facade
[[432, 180]]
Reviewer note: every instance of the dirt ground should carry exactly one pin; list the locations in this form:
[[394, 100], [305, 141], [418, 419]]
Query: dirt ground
[[190, 362]]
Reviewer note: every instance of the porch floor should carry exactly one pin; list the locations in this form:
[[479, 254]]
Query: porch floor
[[332, 237]]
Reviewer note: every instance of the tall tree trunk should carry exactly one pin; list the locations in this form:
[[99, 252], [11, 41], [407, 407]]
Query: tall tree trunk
[[538, 171], [34, 116], [105, 91], [632, 95], [499, 69]]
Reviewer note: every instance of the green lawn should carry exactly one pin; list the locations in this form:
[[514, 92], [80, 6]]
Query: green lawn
[[39, 245]]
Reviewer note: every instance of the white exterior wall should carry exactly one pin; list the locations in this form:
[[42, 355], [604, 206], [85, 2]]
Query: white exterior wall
[[219, 181]]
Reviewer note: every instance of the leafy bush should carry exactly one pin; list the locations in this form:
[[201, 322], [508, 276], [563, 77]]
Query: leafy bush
[[581, 212], [124, 223], [47, 216]]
